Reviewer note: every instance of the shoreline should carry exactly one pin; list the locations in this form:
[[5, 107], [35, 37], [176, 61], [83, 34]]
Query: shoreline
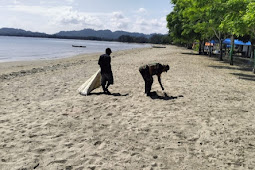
[[16, 68], [204, 118], [23, 67]]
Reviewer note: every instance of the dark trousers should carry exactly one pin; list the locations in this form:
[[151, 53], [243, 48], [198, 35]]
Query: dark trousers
[[106, 78], [147, 78]]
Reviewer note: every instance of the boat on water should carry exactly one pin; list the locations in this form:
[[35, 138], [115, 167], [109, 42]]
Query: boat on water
[[79, 46], [154, 46]]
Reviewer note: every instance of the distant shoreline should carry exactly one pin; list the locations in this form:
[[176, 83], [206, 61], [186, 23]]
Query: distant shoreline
[[12, 69], [60, 37], [90, 34]]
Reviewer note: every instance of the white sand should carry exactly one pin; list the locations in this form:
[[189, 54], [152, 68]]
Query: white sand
[[206, 122]]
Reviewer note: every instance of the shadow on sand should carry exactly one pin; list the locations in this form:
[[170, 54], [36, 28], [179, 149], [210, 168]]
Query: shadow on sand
[[190, 53], [240, 63], [245, 76], [112, 94], [155, 95], [232, 68]]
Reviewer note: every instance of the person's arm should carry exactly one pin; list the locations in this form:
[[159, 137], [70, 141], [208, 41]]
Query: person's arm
[[99, 61], [159, 80]]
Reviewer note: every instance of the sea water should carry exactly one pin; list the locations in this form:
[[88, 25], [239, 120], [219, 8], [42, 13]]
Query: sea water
[[27, 48]]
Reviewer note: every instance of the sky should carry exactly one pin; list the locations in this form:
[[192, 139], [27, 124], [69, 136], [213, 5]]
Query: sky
[[52, 16]]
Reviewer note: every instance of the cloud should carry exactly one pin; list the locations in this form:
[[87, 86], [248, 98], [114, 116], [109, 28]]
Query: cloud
[[57, 18], [118, 21], [62, 15], [27, 9], [142, 10], [66, 15], [150, 25], [69, 1], [16, 2], [73, 18], [56, 2], [117, 15]]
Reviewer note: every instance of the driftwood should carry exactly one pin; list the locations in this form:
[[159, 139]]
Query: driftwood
[[158, 46], [79, 46]]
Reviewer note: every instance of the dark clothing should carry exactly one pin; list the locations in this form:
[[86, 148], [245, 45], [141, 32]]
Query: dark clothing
[[106, 71], [106, 77], [105, 63], [154, 68], [147, 71], [147, 78]]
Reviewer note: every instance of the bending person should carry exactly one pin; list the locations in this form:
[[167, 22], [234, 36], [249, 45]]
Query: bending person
[[147, 71]]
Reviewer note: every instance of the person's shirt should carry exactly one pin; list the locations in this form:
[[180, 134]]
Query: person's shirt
[[105, 63], [155, 69]]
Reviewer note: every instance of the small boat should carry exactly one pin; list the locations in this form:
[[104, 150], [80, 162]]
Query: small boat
[[79, 46], [158, 46]]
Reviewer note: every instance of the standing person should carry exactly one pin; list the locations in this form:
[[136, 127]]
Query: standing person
[[147, 71], [106, 70]]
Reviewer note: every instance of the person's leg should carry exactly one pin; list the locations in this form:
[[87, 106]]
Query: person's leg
[[109, 77], [107, 85], [147, 87], [148, 79], [148, 84], [103, 82], [143, 73], [106, 88]]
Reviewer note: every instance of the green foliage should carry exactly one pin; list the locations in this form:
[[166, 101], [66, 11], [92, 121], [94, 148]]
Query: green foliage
[[233, 22], [160, 39], [196, 47], [166, 39], [155, 39], [249, 20], [199, 20], [180, 29], [126, 38]]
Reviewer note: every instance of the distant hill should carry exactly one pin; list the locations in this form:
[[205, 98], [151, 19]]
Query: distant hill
[[20, 32], [100, 34], [105, 34]]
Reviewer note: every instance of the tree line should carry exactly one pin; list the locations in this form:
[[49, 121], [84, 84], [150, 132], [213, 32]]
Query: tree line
[[204, 20], [154, 39]]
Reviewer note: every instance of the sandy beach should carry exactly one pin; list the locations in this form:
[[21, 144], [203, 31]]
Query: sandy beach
[[206, 120]]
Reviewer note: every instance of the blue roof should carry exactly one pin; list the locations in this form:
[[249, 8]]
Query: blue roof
[[236, 42], [214, 41]]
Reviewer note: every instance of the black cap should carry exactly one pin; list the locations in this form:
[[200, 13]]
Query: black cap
[[108, 51]]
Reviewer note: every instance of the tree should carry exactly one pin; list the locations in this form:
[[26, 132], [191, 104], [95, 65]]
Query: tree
[[166, 39], [140, 39], [233, 22], [156, 39], [249, 20], [196, 13], [215, 15], [180, 29], [126, 38], [200, 20]]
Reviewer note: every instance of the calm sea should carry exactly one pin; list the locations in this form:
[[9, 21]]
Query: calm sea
[[26, 48]]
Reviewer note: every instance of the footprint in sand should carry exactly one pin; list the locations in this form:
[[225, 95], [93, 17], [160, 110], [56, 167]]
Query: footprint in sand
[[101, 145]]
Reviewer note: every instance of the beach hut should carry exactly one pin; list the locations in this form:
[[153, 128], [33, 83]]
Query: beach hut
[[208, 47], [244, 48]]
